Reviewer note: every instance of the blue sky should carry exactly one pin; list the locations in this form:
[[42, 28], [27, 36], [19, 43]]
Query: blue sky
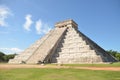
[[22, 22]]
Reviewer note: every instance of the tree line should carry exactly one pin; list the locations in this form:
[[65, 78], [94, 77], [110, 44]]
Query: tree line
[[115, 54], [5, 57]]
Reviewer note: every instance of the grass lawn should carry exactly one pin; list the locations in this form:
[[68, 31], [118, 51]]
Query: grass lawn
[[57, 74], [116, 64]]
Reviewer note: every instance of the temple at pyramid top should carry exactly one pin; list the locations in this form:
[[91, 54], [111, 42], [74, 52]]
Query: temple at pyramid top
[[64, 44], [67, 23]]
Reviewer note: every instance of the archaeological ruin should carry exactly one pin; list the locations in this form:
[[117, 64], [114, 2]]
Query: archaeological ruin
[[64, 44]]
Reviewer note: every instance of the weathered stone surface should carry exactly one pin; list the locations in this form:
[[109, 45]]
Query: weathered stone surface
[[64, 45]]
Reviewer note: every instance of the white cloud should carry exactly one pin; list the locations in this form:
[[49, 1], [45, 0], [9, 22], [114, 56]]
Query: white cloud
[[38, 26], [4, 13], [10, 50], [28, 22], [41, 27], [46, 28]]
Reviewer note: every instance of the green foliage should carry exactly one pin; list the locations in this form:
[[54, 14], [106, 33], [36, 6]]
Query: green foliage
[[5, 58], [2, 56], [57, 74], [116, 54]]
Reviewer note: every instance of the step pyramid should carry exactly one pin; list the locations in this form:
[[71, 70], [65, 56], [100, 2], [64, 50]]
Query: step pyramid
[[65, 44]]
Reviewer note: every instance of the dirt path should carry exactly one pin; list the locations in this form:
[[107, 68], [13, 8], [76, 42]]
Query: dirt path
[[11, 66]]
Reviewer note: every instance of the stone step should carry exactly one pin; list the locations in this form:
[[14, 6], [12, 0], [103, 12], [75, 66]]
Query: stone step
[[77, 39], [69, 50], [90, 59], [83, 52], [72, 35], [81, 46], [71, 42]]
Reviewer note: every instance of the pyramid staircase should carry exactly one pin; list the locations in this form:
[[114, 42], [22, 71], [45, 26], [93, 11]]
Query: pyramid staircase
[[66, 45], [37, 52]]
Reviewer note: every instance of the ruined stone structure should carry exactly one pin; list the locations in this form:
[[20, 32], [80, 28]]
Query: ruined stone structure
[[65, 44]]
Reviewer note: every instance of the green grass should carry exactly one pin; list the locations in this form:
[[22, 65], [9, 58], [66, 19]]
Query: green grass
[[57, 74], [95, 65], [117, 64]]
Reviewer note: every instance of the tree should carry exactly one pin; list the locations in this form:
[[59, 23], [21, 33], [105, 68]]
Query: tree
[[1, 56], [116, 54], [7, 57]]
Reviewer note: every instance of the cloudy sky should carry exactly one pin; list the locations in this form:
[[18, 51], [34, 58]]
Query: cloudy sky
[[22, 22]]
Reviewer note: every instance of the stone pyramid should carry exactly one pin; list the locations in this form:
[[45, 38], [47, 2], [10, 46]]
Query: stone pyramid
[[65, 44]]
